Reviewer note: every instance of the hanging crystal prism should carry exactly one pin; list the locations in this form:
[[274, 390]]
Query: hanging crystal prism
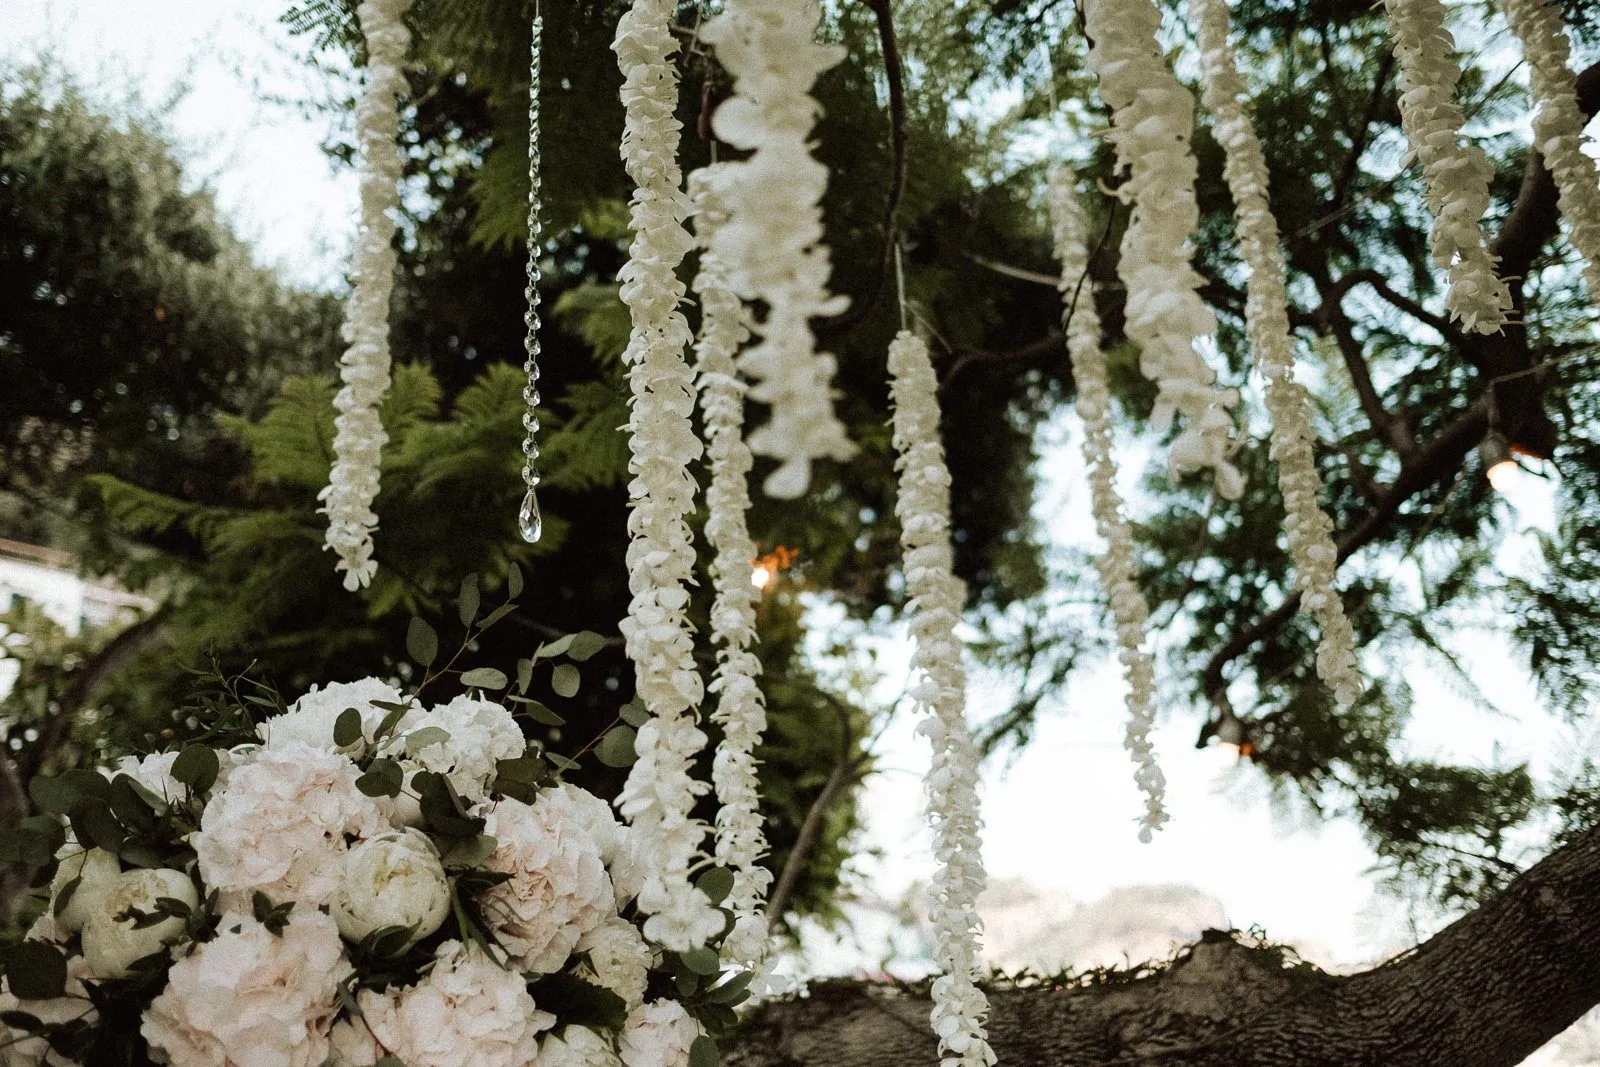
[[529, 522]]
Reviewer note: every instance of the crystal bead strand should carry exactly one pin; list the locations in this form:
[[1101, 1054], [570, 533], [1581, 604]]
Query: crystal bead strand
[[528, 520]]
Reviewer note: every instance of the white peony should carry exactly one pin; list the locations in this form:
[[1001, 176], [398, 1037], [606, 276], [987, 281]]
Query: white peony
[[17, 1047], [468, 1012], [112, 943], [618, 960], [281, 824], [393, 879], [96, 871], [251, 998], [558, 890], [658, 1034], [481, 734], [577, 1046], [311, 718]]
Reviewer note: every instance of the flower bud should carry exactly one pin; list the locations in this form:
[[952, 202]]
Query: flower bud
[[96, 871], [110, 943], [392, 879]]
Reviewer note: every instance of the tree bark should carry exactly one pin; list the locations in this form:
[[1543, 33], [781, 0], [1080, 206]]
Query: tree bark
[[1487, 991]]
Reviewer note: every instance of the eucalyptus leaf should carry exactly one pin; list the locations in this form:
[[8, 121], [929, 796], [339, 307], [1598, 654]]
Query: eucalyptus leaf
[[383, 778], [419, 739], [565, 680], [539, 713], [469, 601], [422, 643], [634, 713], [197, 767], [585, 644], [704, 1052], [554, 648], [347, 728], [701, 961], [514, 582], [616, 747], [496, 615], [524, 674], [485, 678], [36, 970], [716, 884]]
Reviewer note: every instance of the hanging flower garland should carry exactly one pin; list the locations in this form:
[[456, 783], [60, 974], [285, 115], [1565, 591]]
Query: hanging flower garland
[[359, 436], [1558, 126], [772, 241], [1117, 566], [741, 709], [1456, 175], [1152, 117], [1308, 527], [935, 599], [661, 789]]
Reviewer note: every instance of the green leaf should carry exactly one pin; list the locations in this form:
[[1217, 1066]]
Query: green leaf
[[129, 806], [554, 648], [383, 778], [417, 740], [393, 714], [514, 582], [387, 1060], [565, 679], [702, 961], [21, 1020], [734, 991], [524, 674], [564, 763], [496, 615], [585, 644], [347, 728], [93, 824], [485, 678], [64, 897], [197, 767], [470, 852], [422, 643], [616, 747], [573, 1000], [469, 599], [634, 713], [538, 712], [53, 795], [36, 970], [704, 1052], [716, 884]]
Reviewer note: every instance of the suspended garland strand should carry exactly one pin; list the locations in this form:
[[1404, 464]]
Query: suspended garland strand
[[1558, 126], [1117, 566], [529, 522], [1152, 117], [935, 598], [661, 788], [771, 243], [741, 709], [1455, 174], [1309, 529], [364, 368]]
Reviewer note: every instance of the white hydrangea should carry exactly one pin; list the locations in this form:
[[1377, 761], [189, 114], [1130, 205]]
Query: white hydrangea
[[311, 718], [1152, 117], [1309, 529], [614, 839], [252, 998], [935, 599], [617, 958], [660, 791], [771, 242], [1456, 175], [481, 734], [281, 826], [467, 1012], [577, 1046], [20, 1049], [658, 1034], [358, 434], [1118, 565], [558, 890], [1558, 126], [741, 709]]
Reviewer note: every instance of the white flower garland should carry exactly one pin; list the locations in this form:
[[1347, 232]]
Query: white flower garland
[[741, 709], [1117, 566], [1456, 174], [1558, 126], [1152, 118], [935, 600], [359, 436], [660, 791], [1308, 527], [772, 240]]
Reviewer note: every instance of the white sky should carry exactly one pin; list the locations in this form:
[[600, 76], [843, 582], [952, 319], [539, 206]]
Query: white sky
[[1060, 815]]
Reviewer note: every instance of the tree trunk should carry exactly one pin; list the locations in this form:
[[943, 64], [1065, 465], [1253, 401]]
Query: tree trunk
[[1485, 992]]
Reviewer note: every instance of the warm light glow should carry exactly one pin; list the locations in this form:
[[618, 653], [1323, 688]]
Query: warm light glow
[[764, 569], [1505, 475], [760, 577]]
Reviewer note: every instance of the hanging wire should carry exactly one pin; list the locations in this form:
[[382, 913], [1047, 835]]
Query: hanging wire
[[529, 522], [900, 283]]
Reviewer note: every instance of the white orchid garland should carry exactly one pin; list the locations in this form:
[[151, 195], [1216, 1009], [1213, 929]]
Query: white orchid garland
[[358, 434], [1152, 118], [660, 791], [935, 598], [772, 241], [1308, 527], [1558, 126], [1117, 566], [1455, 174], [741, 709]]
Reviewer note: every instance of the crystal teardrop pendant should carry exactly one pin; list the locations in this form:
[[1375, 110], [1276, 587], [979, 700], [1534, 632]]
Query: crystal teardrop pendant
[[529, 523]]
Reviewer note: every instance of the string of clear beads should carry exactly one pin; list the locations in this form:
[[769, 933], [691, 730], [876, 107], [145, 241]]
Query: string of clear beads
[[529, 522]]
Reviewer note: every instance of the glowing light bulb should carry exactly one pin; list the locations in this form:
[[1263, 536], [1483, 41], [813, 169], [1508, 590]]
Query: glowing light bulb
[[760, 577], [1505, 476]]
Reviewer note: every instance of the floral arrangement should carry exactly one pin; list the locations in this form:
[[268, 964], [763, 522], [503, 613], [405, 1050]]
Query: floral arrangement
[[1308, 527], [1558, 126], [936, 598], [1117, 565], [359, 437], [356, 879], [1152, 117], [771, 243], [1456, 175]]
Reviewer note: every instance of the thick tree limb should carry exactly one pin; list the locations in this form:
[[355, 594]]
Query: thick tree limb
[[1487, 991]]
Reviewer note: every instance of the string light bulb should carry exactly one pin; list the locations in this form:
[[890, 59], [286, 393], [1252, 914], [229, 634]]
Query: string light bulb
[[1499, 464]]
